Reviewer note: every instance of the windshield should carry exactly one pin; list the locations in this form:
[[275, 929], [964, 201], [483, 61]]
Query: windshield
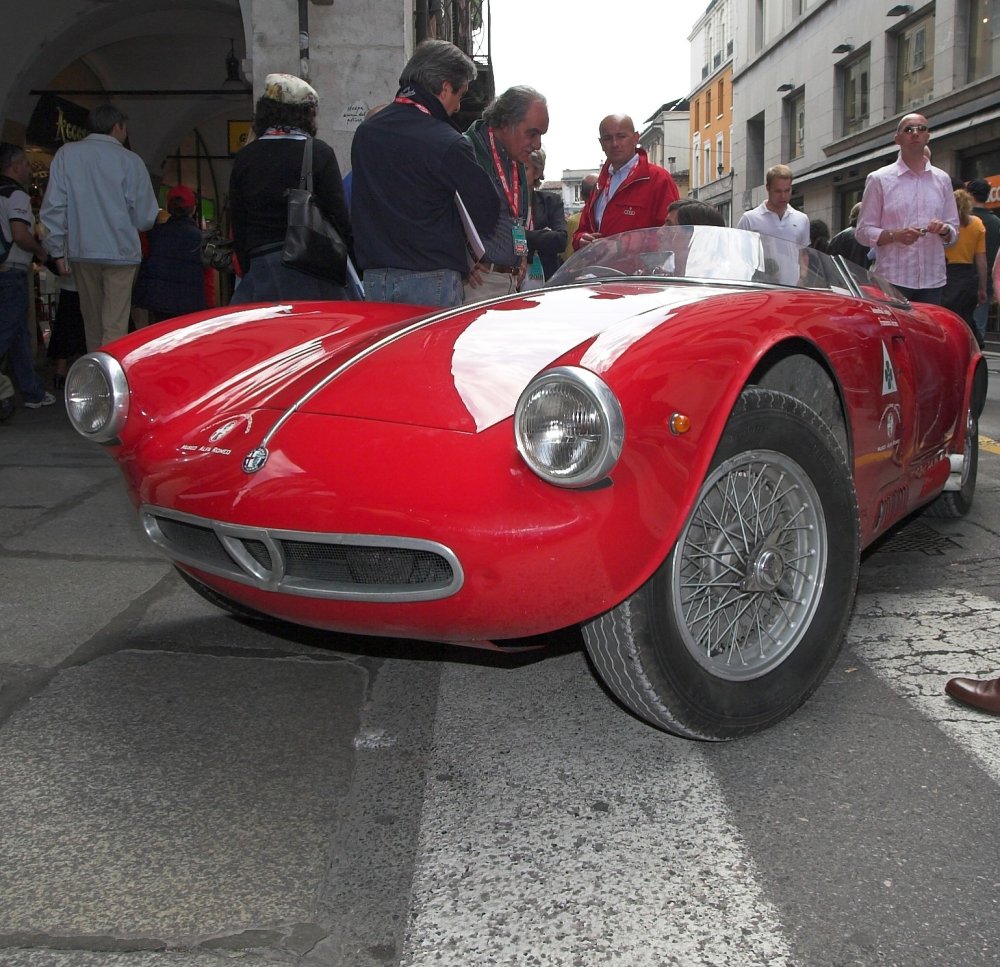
[[704, 252]]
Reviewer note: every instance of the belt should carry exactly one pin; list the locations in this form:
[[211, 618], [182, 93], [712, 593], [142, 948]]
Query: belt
[[502, 269]]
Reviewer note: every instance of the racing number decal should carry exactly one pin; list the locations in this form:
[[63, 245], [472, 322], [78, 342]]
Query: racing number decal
[[888, 373]]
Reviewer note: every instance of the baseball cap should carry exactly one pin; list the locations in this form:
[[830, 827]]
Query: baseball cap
[[183, 194], [979, 189], [289, 89]]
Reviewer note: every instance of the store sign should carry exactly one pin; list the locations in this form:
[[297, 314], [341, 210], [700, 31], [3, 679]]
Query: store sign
[[56, 121]]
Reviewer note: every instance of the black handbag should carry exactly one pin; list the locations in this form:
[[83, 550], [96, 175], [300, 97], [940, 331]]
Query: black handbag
[[312, 244]]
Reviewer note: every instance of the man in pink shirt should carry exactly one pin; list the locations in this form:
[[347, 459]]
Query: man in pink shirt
[[908, 216]]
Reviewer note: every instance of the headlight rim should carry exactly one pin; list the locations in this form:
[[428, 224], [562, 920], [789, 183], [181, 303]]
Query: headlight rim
[[117, 384], [612, 420]]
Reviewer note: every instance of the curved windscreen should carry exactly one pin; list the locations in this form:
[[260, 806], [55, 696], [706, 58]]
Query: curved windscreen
[[706, 252]]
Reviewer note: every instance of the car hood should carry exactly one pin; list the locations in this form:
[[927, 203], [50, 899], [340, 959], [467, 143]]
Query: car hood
[[466, 370], [460, 369]]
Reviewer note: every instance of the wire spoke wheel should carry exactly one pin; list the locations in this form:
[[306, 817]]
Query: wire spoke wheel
[[749, 569], [742, 621]]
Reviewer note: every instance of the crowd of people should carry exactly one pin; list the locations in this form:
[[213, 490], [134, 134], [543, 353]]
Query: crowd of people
[[434, 216], [99, 219]]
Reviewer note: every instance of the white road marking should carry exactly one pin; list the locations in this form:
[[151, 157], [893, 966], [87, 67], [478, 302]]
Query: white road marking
[[556, 829], [374, 739], [916, 642]]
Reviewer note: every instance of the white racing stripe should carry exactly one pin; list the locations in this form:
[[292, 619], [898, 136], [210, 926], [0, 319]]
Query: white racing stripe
[[556, 829], [916, 643]]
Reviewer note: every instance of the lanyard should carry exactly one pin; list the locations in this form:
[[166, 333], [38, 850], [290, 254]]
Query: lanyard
[[513, 192], [412, 103]]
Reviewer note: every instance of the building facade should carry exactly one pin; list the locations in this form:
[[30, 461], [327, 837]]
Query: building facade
[[711, 107], [664, 138], [821, 84], [187, 74]]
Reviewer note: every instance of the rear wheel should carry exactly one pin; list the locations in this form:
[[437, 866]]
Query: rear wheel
[[957, 503], [744, 618]]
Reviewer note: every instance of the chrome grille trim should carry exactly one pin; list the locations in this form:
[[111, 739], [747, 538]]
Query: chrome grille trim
[[413, 569]]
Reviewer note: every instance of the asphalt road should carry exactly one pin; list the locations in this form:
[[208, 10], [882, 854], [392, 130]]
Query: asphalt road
[[181, 789]]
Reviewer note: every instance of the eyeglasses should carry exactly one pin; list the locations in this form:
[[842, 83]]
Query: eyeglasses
[[915, 129]]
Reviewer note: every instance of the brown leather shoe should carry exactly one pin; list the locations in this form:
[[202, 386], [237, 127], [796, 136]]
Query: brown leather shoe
[[981, 695]]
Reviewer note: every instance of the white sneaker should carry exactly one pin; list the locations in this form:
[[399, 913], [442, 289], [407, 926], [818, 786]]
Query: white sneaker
[[47, 400]]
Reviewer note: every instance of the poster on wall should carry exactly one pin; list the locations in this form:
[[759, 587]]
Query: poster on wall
[[239, 134], [55, 121]]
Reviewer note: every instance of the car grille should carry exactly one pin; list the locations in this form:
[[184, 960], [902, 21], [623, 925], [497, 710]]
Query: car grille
[[347, 566]]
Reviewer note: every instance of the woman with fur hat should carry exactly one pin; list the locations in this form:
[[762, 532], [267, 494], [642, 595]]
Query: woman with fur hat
[[284, 120]]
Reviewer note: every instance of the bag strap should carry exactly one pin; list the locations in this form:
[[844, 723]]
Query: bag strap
[[306, 177]]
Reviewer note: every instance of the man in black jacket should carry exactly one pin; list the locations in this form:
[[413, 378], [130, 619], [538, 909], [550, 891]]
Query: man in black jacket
[[408, 164]]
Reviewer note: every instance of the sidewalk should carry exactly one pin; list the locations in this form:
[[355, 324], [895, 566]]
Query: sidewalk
[[170, 778]]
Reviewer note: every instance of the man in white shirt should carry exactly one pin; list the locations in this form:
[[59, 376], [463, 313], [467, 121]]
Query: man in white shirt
[[776, 216]]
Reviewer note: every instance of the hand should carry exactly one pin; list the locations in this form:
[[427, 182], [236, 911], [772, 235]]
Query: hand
[[475, 277], [589, 237], [937, 227], [62, 264]]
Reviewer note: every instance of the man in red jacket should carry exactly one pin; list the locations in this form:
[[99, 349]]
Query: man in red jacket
[[631, 193]]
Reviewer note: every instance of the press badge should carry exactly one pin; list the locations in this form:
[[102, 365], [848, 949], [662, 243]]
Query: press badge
[[520, 239]]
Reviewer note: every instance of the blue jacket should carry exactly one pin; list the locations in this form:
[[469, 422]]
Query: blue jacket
[[407, 166], [171, 279]]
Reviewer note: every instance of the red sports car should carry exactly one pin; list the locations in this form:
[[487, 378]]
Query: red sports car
[[681, 445]]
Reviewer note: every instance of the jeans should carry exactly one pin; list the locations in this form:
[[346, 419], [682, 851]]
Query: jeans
[[269, 280], [980, 318], [14, 338], [441, 287]]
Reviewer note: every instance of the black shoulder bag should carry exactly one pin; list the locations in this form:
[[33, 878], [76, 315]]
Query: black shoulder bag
[[312, 244]]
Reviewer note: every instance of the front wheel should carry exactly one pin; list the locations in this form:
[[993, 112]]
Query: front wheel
[[745, 617]]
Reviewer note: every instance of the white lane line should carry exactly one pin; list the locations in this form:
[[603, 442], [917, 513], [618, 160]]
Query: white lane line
[[558, 830], [916, 642]]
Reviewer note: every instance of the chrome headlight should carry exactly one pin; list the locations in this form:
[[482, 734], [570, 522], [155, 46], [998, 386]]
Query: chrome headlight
[[97, 397], [568, 426]]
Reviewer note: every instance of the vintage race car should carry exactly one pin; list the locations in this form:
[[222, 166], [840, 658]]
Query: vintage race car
[[681, 444]]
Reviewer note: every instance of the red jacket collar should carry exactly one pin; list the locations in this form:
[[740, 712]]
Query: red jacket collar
[[641, 170]]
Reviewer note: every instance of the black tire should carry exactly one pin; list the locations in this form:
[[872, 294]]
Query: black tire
[[727, 637], [234, 608], [951, 504]]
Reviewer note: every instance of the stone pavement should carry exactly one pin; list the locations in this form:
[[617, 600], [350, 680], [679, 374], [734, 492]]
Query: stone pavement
[[171, 779]]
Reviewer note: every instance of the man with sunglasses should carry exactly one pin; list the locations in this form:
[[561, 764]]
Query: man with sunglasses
[[908, 216]]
